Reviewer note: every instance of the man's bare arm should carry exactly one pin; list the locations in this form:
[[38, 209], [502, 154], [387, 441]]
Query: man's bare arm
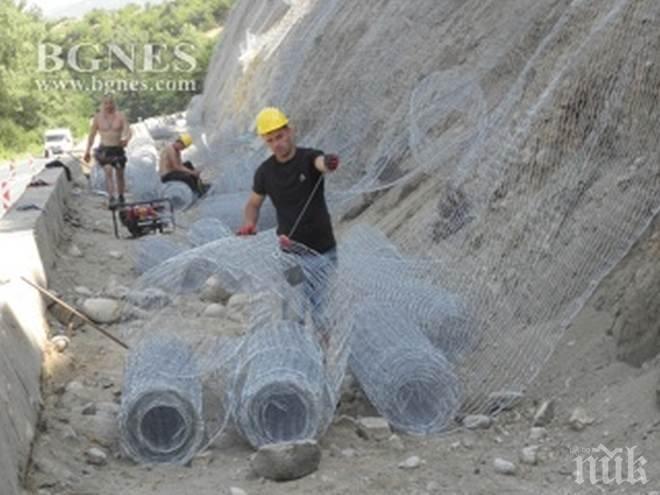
[[126, 131], [319, 163], [252, 208], [90, 139]]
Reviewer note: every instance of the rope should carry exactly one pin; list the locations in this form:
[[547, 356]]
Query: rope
[[304, 209]]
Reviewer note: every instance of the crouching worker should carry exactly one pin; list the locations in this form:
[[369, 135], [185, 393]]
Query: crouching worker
[[171, 168]]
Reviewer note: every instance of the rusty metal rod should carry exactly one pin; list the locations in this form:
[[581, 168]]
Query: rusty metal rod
[[76, 312]]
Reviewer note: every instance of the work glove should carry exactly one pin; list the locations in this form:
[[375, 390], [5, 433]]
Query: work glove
[[331, 162], [247, 229], [285, 242]]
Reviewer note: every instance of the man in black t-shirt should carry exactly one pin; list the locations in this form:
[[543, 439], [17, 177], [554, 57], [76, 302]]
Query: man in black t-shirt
[[293, 179]]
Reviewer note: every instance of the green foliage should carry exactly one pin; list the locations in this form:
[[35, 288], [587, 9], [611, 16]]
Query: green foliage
[[32, 100]]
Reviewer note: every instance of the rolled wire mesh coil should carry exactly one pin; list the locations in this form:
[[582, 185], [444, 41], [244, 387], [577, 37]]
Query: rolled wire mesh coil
[[161, 410], [281, 393], [207, 230], [409, 382], [228, 208], [181, 196], [152, 251]]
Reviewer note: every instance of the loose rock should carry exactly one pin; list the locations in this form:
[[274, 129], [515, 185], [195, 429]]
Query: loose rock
[[544, 413], [214, 291], [75, 251], [60, 342], [504, 400], [115, 255], [236, 307], [348, 453], [579, 420], [96, 457], [505, 467], [286, 461], [395, 442], [215, 311], [89, 409], [83, 291], [102, 310], [236, 491], [150, 298], [131, 313], [529, 455], [477, 422], [412, 462], [538, 433], [433, 487], [374, 428]]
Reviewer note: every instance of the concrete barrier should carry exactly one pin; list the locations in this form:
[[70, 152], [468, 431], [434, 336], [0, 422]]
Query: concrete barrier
[[28, 238]]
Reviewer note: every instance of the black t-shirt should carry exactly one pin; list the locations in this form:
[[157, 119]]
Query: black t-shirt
[[289, 186]]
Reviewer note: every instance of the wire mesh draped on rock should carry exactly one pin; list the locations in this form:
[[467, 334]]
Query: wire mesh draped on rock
[[181, 274], [229, 208], [161, 409], [524, 175], [151, 251], [247, 265], [207, 230], [296, 351]]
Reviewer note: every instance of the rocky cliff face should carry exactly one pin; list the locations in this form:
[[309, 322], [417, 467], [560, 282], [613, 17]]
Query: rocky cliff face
[[513, 142]]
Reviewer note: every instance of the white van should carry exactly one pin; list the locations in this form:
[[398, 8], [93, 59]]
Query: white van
[[57, 141]]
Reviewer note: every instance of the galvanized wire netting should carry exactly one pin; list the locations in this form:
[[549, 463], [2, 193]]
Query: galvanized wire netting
[[179, 193], [282, 392], [152, 251], [296, 325], [524, 167], [411, 383], [228, 208], [208, 230], [161, 411], [177, 389], [505, 180]]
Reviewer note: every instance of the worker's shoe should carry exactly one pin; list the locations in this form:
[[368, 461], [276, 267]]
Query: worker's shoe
[[112, 203], [121, 201]]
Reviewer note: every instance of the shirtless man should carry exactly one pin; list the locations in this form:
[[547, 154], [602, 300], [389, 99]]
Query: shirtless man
[[171, 168], [112, 126]]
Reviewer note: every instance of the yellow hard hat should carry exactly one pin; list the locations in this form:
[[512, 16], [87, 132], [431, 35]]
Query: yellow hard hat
[[270, 119], [185, 139]]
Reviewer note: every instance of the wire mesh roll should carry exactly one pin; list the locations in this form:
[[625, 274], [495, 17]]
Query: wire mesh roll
[[179, 193], [180, 274], [375, 269], [408, 381], [281, 392], [208, 230], [161, 410], [229, 209], [152, 251], [142, 177]]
